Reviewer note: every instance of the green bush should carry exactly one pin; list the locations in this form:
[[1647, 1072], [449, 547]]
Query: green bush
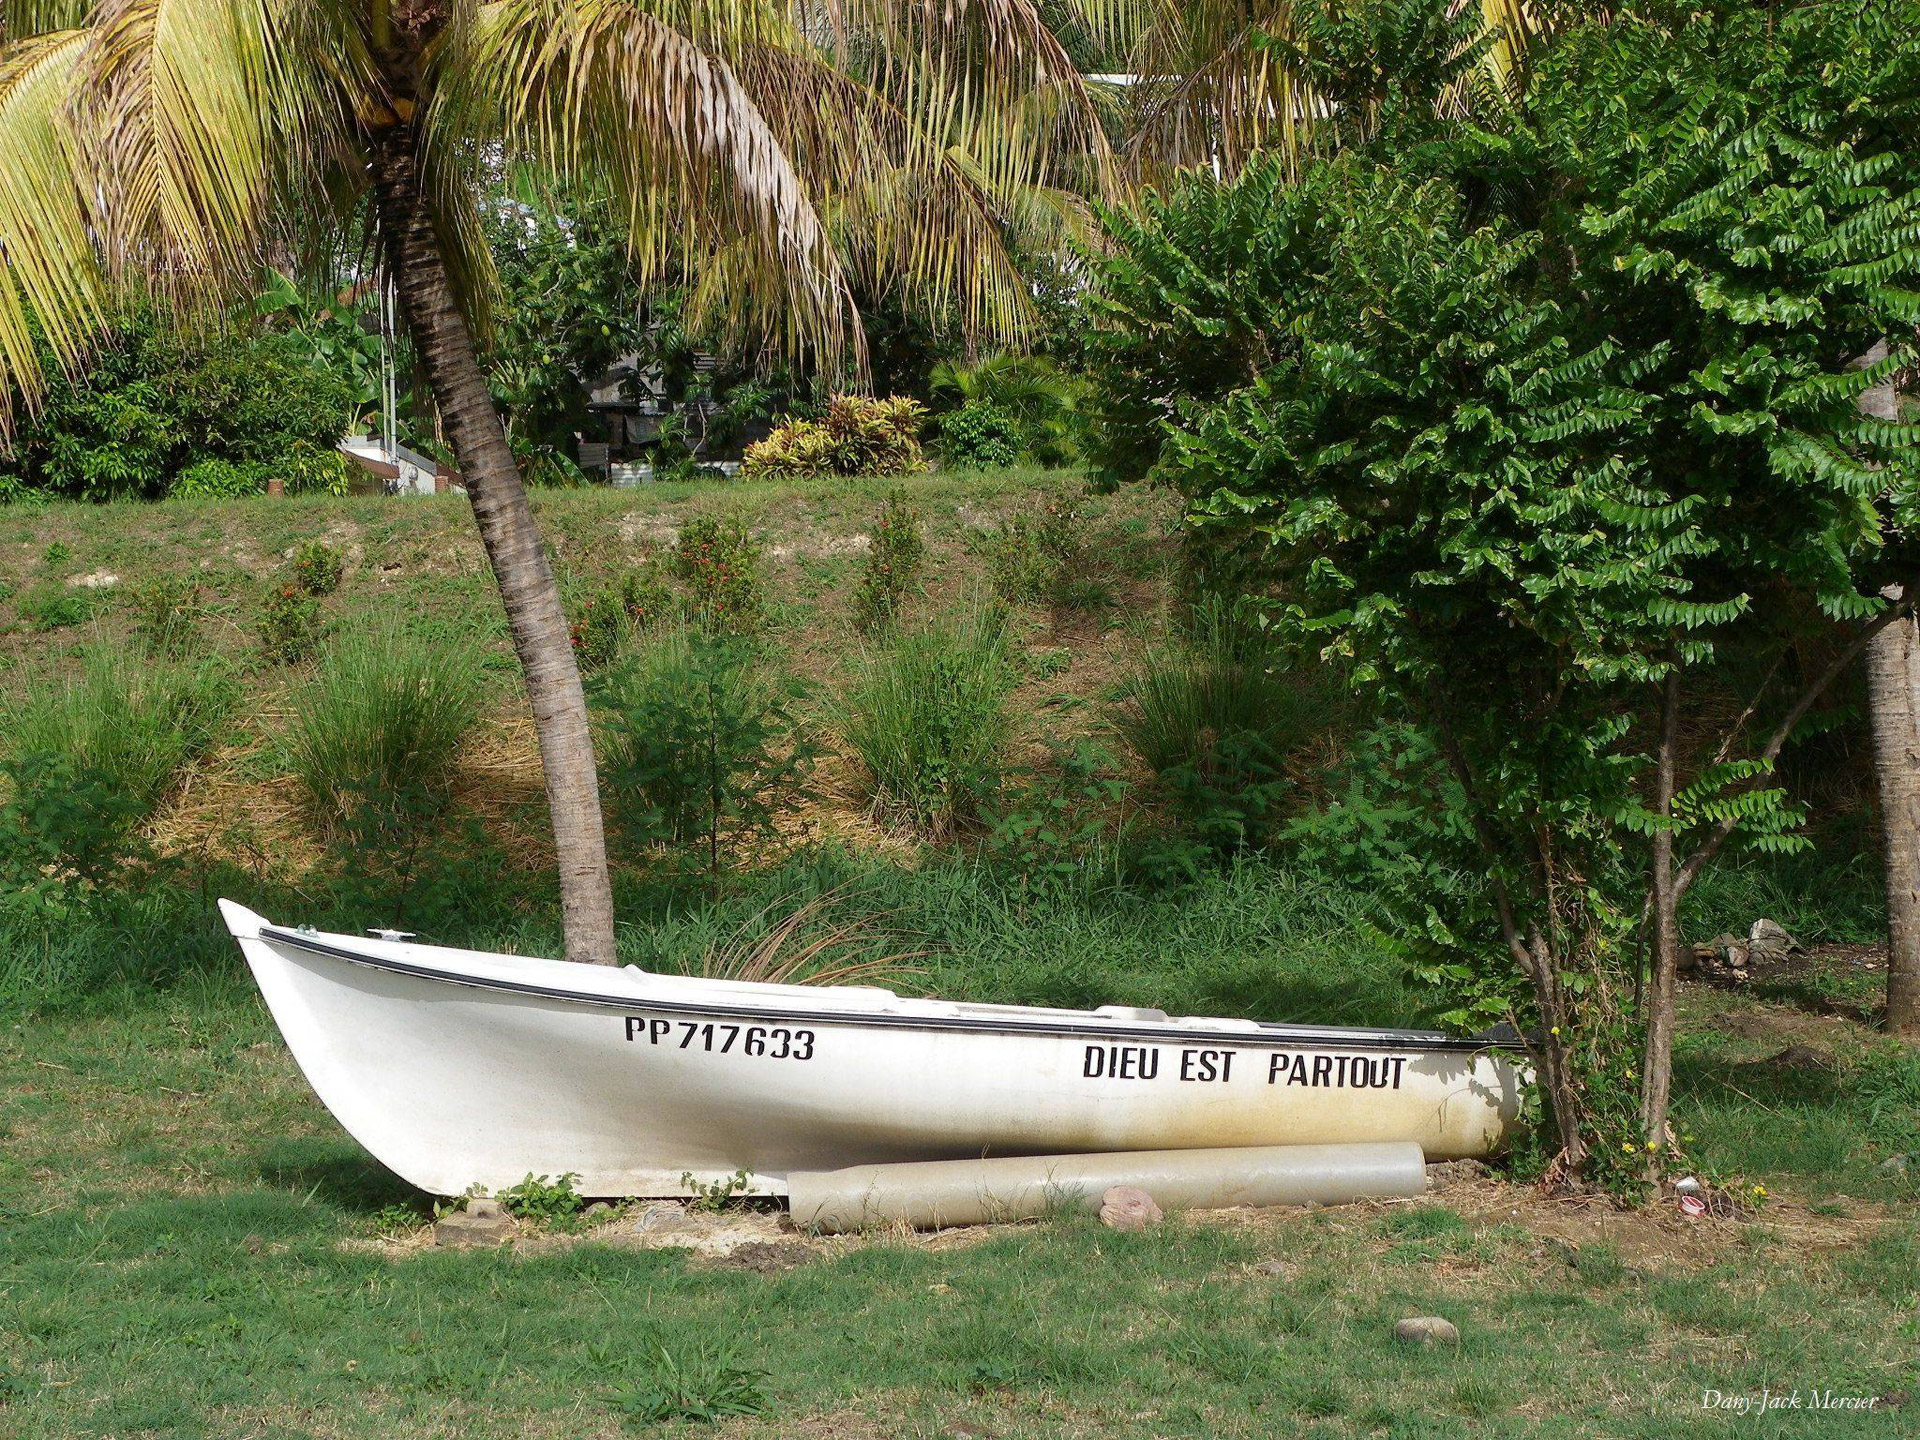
[[1034, 558], [377, 729], [717, 561], [317, 567], [597, 630], [893, 563], [56, 607], [309, 468], [927, 719], [216, 478], [90, 757], [979, 435], [289, 624], [699, 747], [1214, 714], [855, 435], [164, 410], [1030, 394], [603, 619], [166, 610]]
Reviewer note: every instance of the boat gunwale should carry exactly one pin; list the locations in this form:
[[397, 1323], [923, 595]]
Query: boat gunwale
[[1271, 1034]]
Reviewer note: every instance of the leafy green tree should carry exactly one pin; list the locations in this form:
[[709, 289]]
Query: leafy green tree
[[1532, 425], [159, 401], [702, 747]]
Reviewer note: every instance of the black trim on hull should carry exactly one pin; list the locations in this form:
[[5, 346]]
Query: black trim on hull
[[1321, 1037]]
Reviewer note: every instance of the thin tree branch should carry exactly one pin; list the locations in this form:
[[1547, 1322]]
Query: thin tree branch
[[1709, 848]]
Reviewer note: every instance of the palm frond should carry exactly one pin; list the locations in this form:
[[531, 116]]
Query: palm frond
[[48, 270], [24, 19], [606, 91]]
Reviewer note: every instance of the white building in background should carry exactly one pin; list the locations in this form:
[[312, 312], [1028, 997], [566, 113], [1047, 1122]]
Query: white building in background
[[392, 469]]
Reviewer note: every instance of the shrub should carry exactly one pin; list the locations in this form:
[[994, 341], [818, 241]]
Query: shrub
[[308, 468], [856, 435], [645, 599], [598, 628], [717, 561], [377, 729], [603, 620], [217, 478], [1038, 400], [927, 719], [289, 624], [317, 567], [155, 403], [981, 435], [1214, 715], [892, 565], [90, 758], [1033, 560], [699, 747], [165, 611]]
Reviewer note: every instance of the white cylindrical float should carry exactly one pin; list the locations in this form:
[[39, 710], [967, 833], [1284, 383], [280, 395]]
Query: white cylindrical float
[[931, 1194]]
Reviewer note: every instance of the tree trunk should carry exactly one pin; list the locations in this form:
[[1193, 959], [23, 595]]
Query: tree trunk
[[1656, 1071], [1893, 680], [1893, 671], [532, 598]]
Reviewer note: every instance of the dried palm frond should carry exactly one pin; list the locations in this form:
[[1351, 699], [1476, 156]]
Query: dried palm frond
[[808, 945]]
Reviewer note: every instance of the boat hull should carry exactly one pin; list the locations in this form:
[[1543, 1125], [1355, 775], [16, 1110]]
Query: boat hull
[[457, 1071]]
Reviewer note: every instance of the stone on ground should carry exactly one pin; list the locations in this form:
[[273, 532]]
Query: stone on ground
[[484, 1222], [1127, 1207], [1426, 1330]]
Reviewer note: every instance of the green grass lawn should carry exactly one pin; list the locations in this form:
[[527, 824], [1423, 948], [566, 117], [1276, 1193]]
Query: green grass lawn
[[190, 1247]]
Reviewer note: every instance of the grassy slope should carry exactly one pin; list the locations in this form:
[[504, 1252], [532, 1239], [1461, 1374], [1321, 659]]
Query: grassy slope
[[417, 562]]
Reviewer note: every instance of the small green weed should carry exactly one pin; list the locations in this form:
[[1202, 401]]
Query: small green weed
[[55, 607], [703, 1384], [546, 1200], [713, 1196]]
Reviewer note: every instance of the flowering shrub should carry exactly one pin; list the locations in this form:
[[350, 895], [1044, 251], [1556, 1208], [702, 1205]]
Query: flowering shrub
[[317, 567], [856, 435], [596, 630], [715, 560], [289, 623], [892, 564]]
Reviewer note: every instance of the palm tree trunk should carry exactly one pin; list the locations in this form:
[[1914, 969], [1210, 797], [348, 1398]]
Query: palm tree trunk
[[1893, 700], [512, 539]]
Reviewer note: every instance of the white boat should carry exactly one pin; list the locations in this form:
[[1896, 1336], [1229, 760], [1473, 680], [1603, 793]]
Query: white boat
[[456, 1069]]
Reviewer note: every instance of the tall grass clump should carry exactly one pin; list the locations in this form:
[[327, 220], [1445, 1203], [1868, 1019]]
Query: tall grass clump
[[378, 727], [134, 721], [1214, 712], [90, 756], [927, 718]]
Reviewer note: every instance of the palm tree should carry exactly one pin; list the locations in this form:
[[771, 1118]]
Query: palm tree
[[168, 147], [1215, 82]]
